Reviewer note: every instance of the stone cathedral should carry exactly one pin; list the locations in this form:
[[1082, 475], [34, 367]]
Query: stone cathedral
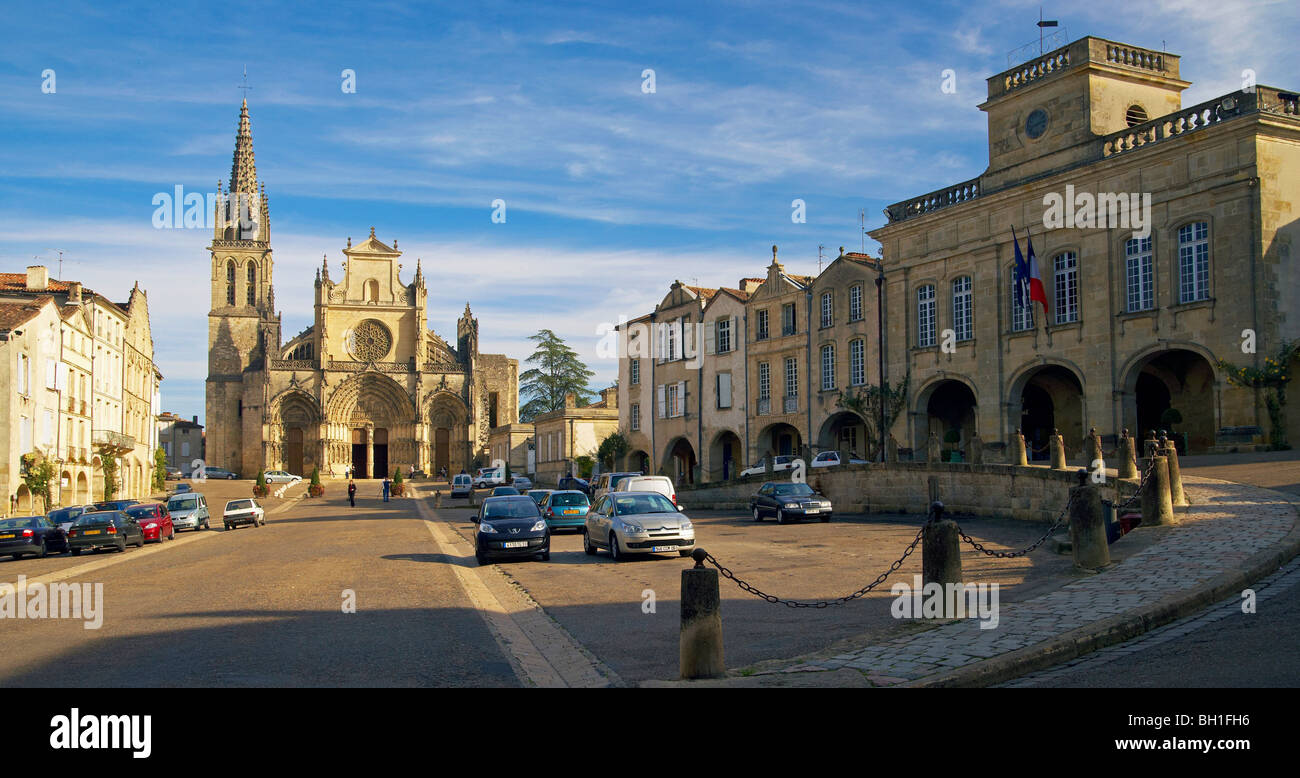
[[368, 385]]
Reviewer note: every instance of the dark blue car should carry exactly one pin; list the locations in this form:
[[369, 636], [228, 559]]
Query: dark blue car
[[35, 535]]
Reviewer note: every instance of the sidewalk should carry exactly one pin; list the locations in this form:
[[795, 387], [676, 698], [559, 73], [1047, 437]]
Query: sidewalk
[[1232, 535]]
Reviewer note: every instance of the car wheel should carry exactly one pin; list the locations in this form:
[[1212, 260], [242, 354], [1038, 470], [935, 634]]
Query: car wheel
[[141, 543], [228, 527], [614, 552], [16, 556], [205, 525], [121, 548], [482, 560], [758, 515], [586, 543], [780, 516], [42, 551], [546, 556], [76, 552]]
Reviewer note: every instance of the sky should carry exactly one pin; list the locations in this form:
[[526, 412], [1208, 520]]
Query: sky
[[613, 187]]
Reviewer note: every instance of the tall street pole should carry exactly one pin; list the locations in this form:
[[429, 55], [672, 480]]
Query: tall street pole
[[880, 349]]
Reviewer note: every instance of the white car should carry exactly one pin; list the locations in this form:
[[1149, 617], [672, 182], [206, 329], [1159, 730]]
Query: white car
[[625, 523], [281, 477], [245, 511], [782, 462], [833, 458]]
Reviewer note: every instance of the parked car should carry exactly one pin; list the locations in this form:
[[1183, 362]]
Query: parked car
[[173, 473], [606, 483], [35, 535], [833, 458], [104, 529], [245, 511], [779, 463], [188, 511], [570, 483], [565, 510], [154, 520], [489, 476], [522, 483], [183, 489], [219, 473], [510, 527], [661, 484], [114, 505], [786, 501], [538, 494], [281, 477], [626, 523], [64, 518], [503, 491], [461, 485]]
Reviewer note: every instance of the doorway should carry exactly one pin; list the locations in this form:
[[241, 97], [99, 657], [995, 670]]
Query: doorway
[[359, 454], [381, 454], [293, 451], [442, 450]]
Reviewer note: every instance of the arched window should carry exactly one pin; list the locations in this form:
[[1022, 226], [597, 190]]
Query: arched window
[[252, 284], [963, 321], [372, 291], [925, 316], [230, 282]]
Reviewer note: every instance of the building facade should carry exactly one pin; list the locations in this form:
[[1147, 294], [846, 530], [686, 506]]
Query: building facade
[[181, 440], [565, 434], [367, 387]]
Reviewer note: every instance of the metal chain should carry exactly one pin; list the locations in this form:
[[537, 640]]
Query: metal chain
[[1137, 494], [824, 603], [1061, 521]]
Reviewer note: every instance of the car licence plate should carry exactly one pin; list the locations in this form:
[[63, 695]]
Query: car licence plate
[[812, 510], [91, 532], [515, 544], [7, 537], [664, 548], [570, 512]]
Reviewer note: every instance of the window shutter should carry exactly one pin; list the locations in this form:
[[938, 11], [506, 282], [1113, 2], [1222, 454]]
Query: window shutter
[[710, 337], [662, 412], [724, 390], [681, 398], [735, 333]]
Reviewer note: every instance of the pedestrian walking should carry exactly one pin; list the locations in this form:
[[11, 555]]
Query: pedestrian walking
[[387, 487], [352, 493]]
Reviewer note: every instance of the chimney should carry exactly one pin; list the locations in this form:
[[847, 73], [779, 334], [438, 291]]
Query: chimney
[[610, 397], [196, 420], [38, 278], [74, 292]]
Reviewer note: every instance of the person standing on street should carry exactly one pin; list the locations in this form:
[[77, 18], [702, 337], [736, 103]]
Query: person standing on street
[[352, 493], [387, 487]]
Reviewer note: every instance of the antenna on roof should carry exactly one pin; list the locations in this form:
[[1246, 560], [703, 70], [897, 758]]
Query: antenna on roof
[[820, 248], [862, 221], [244, 86], [60, 276]]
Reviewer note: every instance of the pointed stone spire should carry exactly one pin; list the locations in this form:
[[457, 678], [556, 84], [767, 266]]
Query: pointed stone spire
[[243, 169]]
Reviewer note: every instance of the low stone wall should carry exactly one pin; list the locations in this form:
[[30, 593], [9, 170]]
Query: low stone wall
[[1006, 491]]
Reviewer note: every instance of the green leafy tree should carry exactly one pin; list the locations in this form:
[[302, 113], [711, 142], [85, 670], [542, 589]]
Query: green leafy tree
[[108, 463], [38, 476], [259, 487], [585, 465], [866, 402], [159, 470], [556, 372], [612, 450], [1272, 377]]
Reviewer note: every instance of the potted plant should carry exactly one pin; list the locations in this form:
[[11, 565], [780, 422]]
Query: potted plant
[[951, 438], [396, 487], [314, 489], [260, 488]]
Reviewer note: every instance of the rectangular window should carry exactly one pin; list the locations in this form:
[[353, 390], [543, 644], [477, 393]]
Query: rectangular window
[[761, 333], [634, 371], [635, 416], [963, 322], [1139, 275], [764, 381], [672, 340], [828, 366], [828, 309], [858, 362], [1067, 288], [1022, 308], [855, 302], [1194, 262], [925, 332], [185, 448], [662, 392], [674, 400], [724, 390], [724, 336], [791, 377], [787, 319]]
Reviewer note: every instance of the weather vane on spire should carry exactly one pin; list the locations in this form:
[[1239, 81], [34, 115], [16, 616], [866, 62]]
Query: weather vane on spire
[[244, 86]]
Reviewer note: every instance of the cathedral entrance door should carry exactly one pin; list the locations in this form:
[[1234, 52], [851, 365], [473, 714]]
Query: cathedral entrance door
[[359, 463], [442, 450], [293, 451], [381, 454]]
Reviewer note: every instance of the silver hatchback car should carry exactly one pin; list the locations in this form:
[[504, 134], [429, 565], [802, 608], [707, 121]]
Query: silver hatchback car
[[625, 523]]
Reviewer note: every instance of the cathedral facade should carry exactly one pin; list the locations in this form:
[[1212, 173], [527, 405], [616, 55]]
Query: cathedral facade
[[367, 387]]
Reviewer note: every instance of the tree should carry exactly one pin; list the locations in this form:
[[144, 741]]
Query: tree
[[38, 476], [585, 465], [314, 488], [612, 450], [1273, 378], [866, 403], [557, 371], [260, 488], [108, 462], [159, 470]]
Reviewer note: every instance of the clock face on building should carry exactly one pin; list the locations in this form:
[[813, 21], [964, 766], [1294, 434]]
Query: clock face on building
[[1036, 124]]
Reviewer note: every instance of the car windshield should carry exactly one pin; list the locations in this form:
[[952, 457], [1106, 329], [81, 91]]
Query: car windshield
[[793, 490], [649, 502], [28, 522], [784, 459], [238, 505], [504, 490], [141, 511], [510, 509], [99, 517], [65, 514], [570, 499], [182, 503]]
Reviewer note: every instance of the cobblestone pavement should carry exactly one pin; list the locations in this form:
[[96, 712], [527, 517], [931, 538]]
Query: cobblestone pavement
[[1226, 524], [1286, 578]]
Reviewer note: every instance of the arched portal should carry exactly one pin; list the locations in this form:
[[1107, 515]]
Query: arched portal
[[449, 423], [24, 500], [1045, 398], [296, 429], [1183, 380], [679, 461], [724, 456], [67, 489], [779, 438], [366, 411], [638, 460]]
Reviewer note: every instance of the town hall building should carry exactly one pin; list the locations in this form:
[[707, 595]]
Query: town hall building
[[368, 386]]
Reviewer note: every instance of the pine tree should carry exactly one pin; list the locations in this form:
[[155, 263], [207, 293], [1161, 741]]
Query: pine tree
[[557, 371]]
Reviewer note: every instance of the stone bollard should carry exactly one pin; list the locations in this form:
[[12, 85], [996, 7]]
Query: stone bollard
[[1092, 448], [891, 449], [1149, 445], [1018, 454], [1127, 464], [437, 499], [701, 636], [940, 549], [976, 449], [932, 449], [1157, 507], [1088, 525], [1057, 444], [1176, 494]]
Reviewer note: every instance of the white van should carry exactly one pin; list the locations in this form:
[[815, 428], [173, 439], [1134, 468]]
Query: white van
[[489, 477], [661, 484], [461, 485]]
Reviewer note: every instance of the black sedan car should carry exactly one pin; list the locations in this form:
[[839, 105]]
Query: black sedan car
[[31, 535], [114, 505], [104, 529], [787, 500], [511, 527], [570, 483]]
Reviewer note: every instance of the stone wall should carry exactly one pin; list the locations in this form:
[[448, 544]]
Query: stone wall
[[1005, 491]]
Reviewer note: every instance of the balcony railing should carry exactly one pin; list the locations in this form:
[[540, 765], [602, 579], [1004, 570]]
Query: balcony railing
[[112, 439], [791, 403], [764, 406], [942, 198]]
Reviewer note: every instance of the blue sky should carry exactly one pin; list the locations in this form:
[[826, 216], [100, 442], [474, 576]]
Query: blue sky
[[611, 193]]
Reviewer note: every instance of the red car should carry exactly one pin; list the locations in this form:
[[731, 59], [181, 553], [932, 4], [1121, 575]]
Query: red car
[[154, 520]]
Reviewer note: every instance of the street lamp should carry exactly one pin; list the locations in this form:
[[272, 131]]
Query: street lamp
[[880, 346]]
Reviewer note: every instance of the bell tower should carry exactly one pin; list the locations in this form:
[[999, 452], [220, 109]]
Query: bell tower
[[243, 329]]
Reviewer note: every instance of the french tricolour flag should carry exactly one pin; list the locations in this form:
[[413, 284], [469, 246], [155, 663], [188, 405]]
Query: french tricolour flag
[[1036, 290], [1028, 281]]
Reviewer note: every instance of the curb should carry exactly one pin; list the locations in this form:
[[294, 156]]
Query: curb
[[1123, 627]]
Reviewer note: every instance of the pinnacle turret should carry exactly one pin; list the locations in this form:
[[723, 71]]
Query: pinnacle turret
[[243, 168]]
